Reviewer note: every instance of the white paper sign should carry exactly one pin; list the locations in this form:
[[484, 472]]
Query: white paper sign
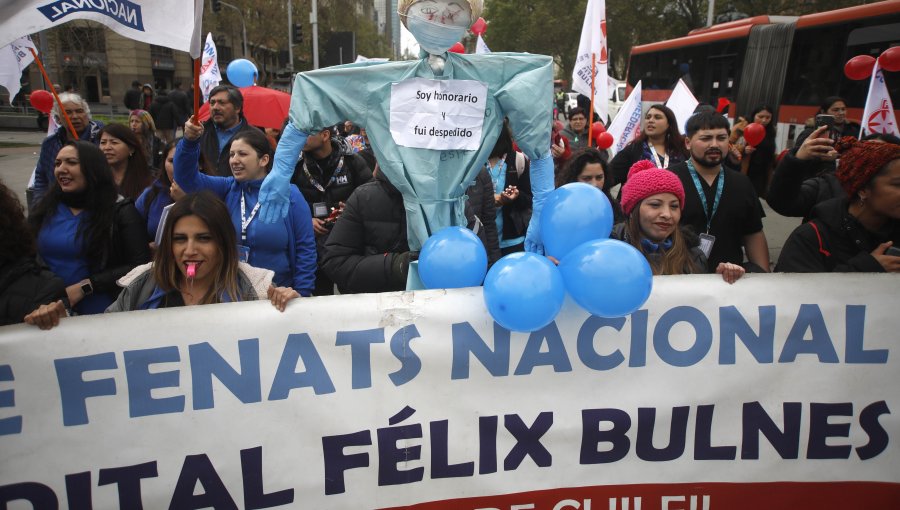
[[438, 114]]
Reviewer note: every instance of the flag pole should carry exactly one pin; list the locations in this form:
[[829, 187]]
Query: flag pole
[[196, 91], [591, 117], [55, 95]]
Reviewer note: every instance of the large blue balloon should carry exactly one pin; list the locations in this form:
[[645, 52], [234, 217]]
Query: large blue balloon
[[607, 277], [572, 215], [452, 258], [524, 291], [242, 73]]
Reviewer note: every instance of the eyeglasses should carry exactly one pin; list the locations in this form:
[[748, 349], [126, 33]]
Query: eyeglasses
[[79, 111]]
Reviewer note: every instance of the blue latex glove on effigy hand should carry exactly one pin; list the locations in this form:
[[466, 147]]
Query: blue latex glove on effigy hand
[[541, 186], [275, 192]]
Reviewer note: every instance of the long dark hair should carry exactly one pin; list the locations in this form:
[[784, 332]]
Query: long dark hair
[[770, 128], [138, 175], [582, 159], [213, 212], [16, 239], [100, 200], [504, 143], [674, 139], [162, 183]]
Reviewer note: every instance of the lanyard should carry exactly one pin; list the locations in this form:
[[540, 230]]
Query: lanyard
[[334, 176], [245, 221], [495, 171], [665, 162], [709, 215]]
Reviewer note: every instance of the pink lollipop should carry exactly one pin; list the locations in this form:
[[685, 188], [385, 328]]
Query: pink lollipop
[[191, 269]]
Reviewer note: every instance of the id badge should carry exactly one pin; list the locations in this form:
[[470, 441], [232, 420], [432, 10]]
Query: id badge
[[706, 244], [320, 210], [244, 253]]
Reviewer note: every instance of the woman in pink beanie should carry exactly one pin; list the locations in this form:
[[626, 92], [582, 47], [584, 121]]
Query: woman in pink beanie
[[652, 198]]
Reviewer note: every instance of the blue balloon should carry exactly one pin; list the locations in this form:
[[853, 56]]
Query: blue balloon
[[524, 292], [452, 258], [242, 73], [572, 215], [606, 277]]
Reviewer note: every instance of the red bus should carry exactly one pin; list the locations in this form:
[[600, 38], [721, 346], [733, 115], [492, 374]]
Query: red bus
[[789, 62]]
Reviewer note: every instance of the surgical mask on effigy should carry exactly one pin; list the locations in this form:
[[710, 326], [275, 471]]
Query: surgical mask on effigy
[[435, 38]]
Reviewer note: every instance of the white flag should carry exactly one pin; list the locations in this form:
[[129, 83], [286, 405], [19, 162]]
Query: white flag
[[682, 103], [14, 58], [171, 23], [592, 48], [878, 116], [481, 46], [210, 76], [627, 124]]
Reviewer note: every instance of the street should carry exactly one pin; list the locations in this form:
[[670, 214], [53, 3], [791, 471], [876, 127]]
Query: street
[[16, 164]]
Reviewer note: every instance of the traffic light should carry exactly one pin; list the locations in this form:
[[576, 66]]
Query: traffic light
[[216, 5], [298, 33]]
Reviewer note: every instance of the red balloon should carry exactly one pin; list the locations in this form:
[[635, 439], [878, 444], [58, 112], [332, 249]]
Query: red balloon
[[604, 141], [859, 67], [597, 129], [458, 48], [479, 27], [42, 101], [890, 59], [754, 133]]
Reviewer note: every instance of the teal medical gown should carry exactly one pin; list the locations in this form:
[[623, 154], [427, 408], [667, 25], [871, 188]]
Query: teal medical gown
[[433, 182]]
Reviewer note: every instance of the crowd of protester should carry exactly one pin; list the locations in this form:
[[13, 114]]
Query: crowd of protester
[[130, 217]]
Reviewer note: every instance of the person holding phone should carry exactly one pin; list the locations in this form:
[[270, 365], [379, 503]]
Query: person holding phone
[[836, 108], [859, 233]]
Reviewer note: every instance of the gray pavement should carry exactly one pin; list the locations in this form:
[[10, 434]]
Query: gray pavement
[[16, 164]]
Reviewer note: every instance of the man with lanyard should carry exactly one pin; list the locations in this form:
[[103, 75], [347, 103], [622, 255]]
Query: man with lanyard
[[226, 119], [721, 205], [326, 177]]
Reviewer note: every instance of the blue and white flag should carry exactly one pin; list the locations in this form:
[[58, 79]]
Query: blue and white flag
[[592, 58], [210, 75], [481, 46], [171, 23], [627, 124], [14, 58]]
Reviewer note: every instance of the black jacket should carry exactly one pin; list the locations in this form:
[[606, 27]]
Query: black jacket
[[367, 249], [833, 241], [209, 146], [132, 99], [182, 103], [128, 248], [517, 214], [791, 194], [481, 205], [164, 112], [24, 286], [353, 172]]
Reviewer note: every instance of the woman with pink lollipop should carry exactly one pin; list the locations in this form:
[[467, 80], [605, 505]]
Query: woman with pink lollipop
[[196, 263]]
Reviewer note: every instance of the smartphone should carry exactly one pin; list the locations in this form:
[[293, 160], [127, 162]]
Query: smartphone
[[827, 120], [893, 251]]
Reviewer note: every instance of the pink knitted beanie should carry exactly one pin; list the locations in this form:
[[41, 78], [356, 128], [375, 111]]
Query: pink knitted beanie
[[644, 180]]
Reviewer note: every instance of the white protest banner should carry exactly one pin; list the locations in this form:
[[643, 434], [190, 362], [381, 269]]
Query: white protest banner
[[627, 124], [878, 115], [210, 75], [171, 23], [438, 114], [778, 392], [14, 58], [682, 103], [481, 46], [593, 56]]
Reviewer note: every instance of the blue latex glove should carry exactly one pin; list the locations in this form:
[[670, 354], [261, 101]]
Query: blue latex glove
[[275, 192], [541, 186]]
